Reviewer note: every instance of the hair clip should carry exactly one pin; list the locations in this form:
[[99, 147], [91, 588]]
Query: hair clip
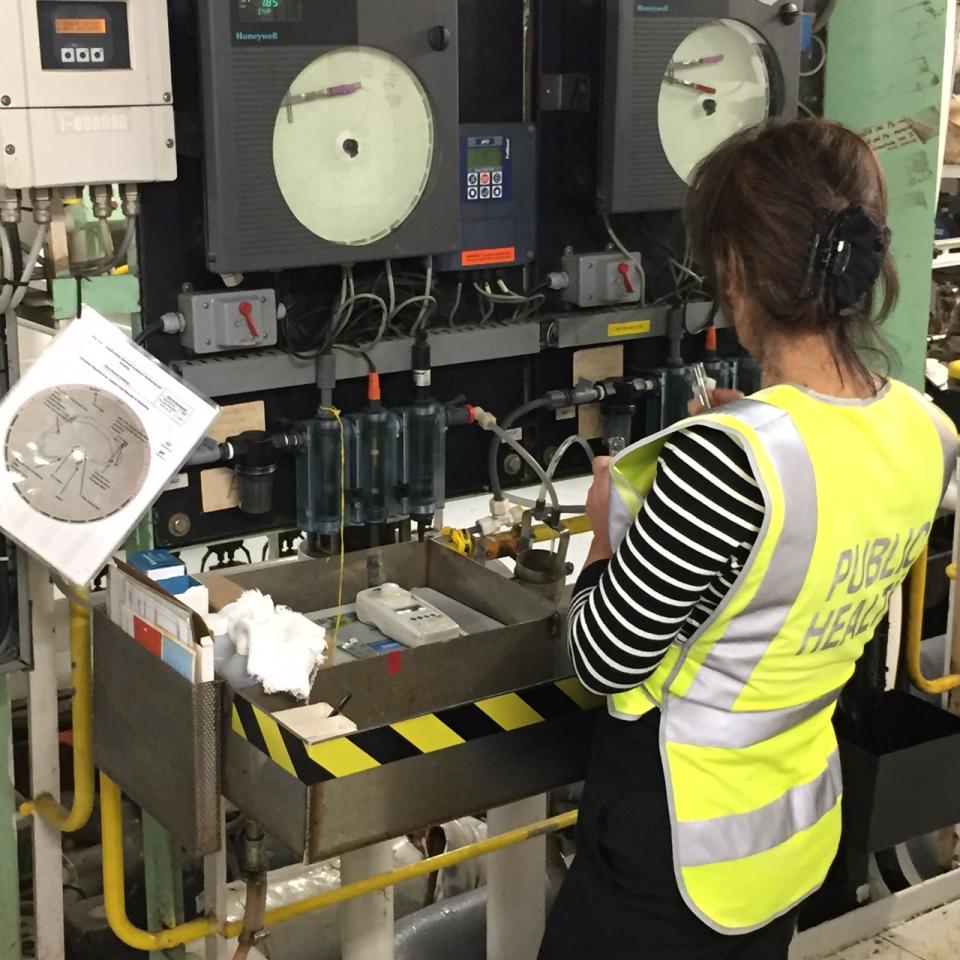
[[818, 253]]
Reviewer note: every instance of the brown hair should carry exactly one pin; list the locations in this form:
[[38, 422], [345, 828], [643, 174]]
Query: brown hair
[[755, 205]]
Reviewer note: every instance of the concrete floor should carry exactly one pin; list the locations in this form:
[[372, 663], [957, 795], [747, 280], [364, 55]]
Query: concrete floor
[[934, 936]]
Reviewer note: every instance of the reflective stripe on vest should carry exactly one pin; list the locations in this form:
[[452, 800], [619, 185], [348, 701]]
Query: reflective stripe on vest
[[749, 753]]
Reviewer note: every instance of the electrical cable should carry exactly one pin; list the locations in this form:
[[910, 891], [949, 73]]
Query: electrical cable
[[683, 268], [824, 16], [802, 106], [631, 257], [427, 291], [36, 249], [147, 332], [823, 58], [341, 326], [486, 308], [391, 288], [113, 259], [456, 304], [7, 288], [510, 297]]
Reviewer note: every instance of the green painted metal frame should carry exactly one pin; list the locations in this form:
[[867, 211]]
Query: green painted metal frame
[[885, 80], [9, 864]]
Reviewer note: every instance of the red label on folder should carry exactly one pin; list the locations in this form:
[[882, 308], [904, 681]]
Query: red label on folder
[[488, 258], [147, 636]]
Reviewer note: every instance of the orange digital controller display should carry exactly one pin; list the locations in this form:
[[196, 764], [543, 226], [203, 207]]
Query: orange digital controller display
[[81, 27]]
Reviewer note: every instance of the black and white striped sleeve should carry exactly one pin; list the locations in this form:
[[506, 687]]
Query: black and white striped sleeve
[[692, 536]]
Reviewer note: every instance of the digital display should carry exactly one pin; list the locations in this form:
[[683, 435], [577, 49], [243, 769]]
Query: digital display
[[270, 11], [484, 158], [89, 27]]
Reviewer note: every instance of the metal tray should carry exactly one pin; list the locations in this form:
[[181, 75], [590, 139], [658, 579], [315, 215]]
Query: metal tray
[[443, 730]]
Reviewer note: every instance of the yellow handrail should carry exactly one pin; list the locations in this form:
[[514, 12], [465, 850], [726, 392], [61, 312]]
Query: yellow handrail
[[45, 806], [115, 903], [918, 589]]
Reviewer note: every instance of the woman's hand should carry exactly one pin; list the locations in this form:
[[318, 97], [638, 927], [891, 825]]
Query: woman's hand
[[598, 511], [717, 399]]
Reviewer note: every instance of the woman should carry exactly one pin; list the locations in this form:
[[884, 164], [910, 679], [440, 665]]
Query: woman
[[740, 563]]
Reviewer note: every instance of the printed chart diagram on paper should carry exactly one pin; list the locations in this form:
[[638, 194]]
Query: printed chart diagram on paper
[[90, 436]]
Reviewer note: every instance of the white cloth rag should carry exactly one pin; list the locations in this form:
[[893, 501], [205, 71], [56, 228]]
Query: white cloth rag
[[284, 649]]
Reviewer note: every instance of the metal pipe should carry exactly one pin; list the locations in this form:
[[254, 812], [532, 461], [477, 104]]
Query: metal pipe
[[114, 892], [366, 923], [115, 898], [45, 806], [918, 588], [255, 868], [516, 904]]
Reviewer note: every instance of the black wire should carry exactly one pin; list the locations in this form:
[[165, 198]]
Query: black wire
[[148, 331]]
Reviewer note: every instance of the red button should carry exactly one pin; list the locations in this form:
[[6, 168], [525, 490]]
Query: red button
[[484, 178]]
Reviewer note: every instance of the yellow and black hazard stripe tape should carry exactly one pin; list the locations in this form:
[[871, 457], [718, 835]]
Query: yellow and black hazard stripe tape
[[314, 763]]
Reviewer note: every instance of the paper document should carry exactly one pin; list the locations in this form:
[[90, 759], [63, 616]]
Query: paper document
[[91, 435]]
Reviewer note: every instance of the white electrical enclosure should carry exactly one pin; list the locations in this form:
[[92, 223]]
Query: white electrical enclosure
[[85, 93]]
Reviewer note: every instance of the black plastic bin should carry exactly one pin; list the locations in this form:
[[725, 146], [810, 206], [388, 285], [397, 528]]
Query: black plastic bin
[[901, 770]]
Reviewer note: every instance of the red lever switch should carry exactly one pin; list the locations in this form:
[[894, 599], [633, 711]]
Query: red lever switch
[[624, 271], [246, 308]]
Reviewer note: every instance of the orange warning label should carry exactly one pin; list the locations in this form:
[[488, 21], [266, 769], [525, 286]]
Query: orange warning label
[[488, 258]]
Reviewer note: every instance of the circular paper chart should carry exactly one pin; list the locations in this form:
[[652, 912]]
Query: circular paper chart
[[76, 453], [353, 145]]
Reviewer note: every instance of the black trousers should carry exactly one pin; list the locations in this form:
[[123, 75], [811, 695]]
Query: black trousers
[[620, 900]]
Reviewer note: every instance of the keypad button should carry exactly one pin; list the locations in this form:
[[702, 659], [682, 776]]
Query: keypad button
[[68, 55], [96, 54], [484, 193], [497, 176], [497, 193], [472, 193], [83, 55], [485, 177], [471, 179]]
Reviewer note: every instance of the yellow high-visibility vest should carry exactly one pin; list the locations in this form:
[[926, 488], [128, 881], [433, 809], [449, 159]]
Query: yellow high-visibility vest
[[748, 748]]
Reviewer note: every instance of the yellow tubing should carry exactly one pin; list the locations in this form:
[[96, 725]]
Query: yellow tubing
[[44, 806], [113, 881], [918, 589], [114, 896], [432, 864]]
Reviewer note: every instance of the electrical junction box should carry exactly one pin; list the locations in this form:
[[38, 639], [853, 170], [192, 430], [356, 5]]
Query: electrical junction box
[[682, 77], [498, 187], [331, 131], [228, 320], [601, 279], [85, 93]]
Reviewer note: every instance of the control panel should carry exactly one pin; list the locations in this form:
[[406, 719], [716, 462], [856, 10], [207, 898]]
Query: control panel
[[88, 36], [87, 93], [487, 169], [497, 191]]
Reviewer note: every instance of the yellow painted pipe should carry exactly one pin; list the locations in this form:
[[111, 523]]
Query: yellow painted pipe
[[111, 814], [45, 806], [431, 865], [918, 589], [114, 894]]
